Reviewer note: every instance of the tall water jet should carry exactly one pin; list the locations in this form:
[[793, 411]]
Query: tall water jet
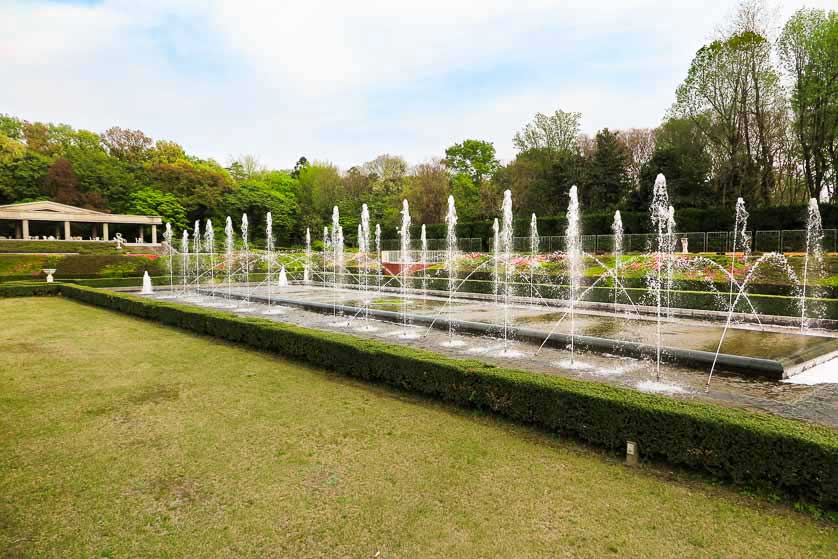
[[574, 263], [506, 237], [423, 257], [327, 247], [496, 258], [269, 254], [229, 241], [167, 236], [404, 233], [209, 249], [534, 240], [617, 230], [184, 255], [147, 289], [378, 253], [307, 268], [196, 250], [246, 255], [740, 240], [813, 260], [659, 211], [364, 246], [451, 262], [337, 257], [670, 257]]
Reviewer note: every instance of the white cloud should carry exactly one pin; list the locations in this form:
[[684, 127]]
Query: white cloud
[[346, 80]]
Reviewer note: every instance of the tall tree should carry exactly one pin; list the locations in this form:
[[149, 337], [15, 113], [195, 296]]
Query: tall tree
[[427, 191], [555, 133], [475, 158], [808, 48], [128, 145], [608, 178]]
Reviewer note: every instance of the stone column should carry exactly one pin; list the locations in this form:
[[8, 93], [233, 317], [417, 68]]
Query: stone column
[[25, 228], [67, 230], [154, 234], [18, 230], [142, 238], [105, 231]]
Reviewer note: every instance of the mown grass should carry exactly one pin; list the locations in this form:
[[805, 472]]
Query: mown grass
[[121, 438]]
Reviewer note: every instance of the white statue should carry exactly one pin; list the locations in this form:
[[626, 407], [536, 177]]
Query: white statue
[[49, 272], [119, 240]]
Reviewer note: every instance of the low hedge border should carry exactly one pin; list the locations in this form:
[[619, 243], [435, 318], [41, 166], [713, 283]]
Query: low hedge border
[[797, 458], [28, 289]]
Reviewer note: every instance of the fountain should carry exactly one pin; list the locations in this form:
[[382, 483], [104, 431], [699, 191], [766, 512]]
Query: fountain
[[307, 266], [364, 254], [209, 249], [196, 250], [617, 230], [662, 222], [378, 253], [170, 249], [184, 253], [740, 229], [337, 248], [327, 244], [574, 264], [228, 255], [283, 279], [813, 260], [451, 267], [533, 253], [496, 258], [423, 258], [404, 233], [270, 256], [246, 257], [506, 237], [146, 290]]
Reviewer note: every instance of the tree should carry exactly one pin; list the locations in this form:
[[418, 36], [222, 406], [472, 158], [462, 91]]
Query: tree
[[273, 192], [427, 191], [200, 186], [681, 155], [608, 179], [318, 190], [640, 146], [475, 158], [128, 145], [165, 151], [387, 173], [11, 127], [808, 49], [301, 164], [554, 133], [149, 201], [22, 172]]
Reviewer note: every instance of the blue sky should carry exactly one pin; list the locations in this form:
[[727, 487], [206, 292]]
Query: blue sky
[[346, 81]]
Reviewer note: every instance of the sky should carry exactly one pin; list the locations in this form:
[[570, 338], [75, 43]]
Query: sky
[[345, 81]]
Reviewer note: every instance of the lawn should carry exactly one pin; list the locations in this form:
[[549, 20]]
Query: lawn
[[122, 438]]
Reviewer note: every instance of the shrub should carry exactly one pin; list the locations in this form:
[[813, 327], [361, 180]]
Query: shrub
[[746, 447]]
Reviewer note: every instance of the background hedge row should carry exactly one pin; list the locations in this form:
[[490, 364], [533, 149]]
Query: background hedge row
[[795, 457]]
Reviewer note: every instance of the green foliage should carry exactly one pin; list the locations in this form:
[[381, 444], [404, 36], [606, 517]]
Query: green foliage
[[798, 458], [149, 201], [274, 192], [475, 158], [556, 133]]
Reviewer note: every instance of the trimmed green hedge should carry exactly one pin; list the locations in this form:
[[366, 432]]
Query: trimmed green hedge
[[753, 448], [28, 289]]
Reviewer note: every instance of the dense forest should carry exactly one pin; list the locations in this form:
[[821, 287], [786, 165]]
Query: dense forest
[[756, 116]]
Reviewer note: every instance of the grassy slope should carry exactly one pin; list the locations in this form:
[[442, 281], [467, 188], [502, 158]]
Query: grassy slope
[[123, 438]]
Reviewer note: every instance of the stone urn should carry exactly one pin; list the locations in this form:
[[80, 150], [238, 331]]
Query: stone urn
[[49, 272]]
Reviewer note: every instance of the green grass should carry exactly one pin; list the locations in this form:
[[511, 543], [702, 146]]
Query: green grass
[[122, 438]]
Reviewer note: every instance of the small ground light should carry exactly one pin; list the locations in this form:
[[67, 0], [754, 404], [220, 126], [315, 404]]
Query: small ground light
[[631, 453]]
